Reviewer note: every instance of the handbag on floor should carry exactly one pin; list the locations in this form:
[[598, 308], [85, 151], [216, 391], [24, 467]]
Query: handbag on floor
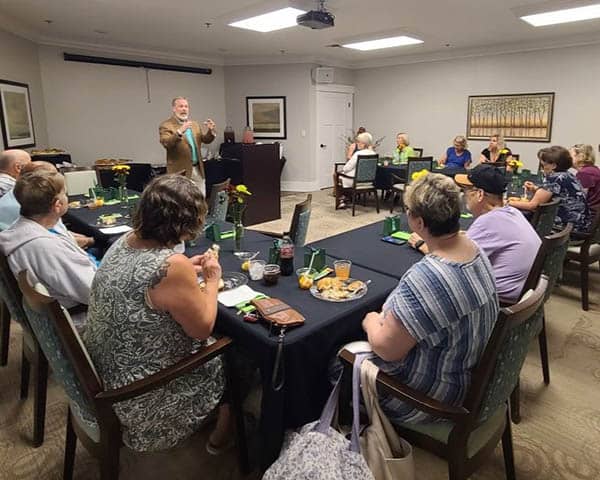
[[319, 452], [389, 456]]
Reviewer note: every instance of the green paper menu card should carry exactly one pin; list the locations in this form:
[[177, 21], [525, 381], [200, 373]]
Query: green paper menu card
[[401, 235]]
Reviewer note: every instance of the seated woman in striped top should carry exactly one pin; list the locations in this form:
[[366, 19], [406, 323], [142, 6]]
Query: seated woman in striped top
[[434, 326]]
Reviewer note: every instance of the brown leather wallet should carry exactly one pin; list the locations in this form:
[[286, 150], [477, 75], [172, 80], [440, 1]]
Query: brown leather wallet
[[275, 311]]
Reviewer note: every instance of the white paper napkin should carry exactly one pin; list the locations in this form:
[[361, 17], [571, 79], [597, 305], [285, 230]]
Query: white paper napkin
[[241, 294]]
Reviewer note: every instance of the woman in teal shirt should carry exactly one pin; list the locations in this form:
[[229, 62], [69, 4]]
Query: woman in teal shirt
[[403, 149]]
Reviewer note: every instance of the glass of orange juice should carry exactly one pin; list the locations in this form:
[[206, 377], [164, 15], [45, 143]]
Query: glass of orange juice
[[342, 269]]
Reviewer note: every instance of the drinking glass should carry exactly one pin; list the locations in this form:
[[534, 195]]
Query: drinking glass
[[342, 269], [257, 269]]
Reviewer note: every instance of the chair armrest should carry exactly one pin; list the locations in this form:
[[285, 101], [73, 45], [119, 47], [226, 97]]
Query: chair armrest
[[412, 396], [345, 176], [337, 165], [158, 379]]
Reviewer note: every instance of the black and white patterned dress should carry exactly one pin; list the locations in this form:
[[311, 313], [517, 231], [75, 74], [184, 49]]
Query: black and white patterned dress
[[129, 341]]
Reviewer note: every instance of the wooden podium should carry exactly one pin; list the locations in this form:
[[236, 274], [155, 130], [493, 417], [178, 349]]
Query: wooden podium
[[260, 171]]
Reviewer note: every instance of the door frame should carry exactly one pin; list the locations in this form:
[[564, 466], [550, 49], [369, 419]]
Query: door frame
[[334, 88]]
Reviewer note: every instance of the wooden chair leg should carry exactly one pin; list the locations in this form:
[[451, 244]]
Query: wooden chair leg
[[39, 399], [585, 301], [393, 196], [25, 368], [109, 460], [238, 412], [70, 447], [544, 351], [4, 333], [515, 407], [354, 195], [507, 449], [376, 201]]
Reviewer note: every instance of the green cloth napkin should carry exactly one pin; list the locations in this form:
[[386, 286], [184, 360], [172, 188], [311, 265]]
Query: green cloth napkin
[[133, 197], [111, 202], [228, 234], [401, 235], [466, 215]]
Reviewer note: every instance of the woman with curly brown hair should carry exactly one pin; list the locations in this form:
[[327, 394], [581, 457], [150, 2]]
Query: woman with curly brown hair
[[147, 312]]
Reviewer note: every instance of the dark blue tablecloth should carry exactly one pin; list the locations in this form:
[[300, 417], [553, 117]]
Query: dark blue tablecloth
[[308, 348], [384, 177], [364, 247]]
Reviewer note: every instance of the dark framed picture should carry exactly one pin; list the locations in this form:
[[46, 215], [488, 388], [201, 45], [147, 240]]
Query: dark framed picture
[[266, 117], [17, 122], [524, 117]]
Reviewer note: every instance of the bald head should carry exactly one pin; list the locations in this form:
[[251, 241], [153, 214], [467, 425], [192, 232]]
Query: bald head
[[12, 161]]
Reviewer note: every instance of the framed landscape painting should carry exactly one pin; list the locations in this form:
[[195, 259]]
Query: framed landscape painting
[[525, 117], [17, 123], [266, 117]]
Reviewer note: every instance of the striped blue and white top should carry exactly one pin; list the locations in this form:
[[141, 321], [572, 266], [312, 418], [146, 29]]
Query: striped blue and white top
[[450, 309]]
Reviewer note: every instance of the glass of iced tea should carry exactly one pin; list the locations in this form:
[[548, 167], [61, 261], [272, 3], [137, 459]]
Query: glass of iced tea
[[342, 269]]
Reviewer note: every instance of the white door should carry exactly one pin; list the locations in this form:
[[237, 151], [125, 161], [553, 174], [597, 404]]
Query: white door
[[334, 123]]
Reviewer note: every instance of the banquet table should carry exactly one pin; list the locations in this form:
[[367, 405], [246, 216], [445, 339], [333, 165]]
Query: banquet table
[[308, 349], [364, 247]]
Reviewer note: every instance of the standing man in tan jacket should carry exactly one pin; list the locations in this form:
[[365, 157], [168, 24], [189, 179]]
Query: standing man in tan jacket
[[182, 139]]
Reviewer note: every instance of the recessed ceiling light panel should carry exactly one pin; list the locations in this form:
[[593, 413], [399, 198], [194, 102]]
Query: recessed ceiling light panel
[[269, 22], [389, 42], [563, 16]]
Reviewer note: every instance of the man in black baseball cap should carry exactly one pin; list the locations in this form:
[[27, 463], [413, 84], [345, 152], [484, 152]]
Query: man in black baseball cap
[[501, 232], [485, 177]]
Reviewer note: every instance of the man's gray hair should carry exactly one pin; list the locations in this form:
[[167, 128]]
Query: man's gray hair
[[178, 98]]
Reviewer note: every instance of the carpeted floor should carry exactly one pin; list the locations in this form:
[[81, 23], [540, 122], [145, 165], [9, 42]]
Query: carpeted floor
[[558, 437]]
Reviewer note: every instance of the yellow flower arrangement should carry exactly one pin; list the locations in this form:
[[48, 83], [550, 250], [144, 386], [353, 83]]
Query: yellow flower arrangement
[[515, 163], [419, 174], [121, 172]]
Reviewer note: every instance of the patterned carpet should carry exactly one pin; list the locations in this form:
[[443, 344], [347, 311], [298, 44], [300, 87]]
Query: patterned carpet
[[558, 437]]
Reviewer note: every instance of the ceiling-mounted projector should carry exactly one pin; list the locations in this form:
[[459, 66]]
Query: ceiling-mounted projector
[[316, 19]]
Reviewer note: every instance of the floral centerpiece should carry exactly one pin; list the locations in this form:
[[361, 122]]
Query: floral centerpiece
[[238, 198], [513, 165], [121, 172], [419, 174]]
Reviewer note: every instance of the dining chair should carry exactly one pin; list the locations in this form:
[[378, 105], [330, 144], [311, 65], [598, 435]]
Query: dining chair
[[299, 225], [80, 181], [91, 417], [363, 181], [32, 355], [414, 165], [418, 152], [585, 250], [466, 435], [543, 217], [218, 201], [548, 262]]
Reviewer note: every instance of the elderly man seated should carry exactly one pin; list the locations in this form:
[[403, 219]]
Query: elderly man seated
[[37, 243], [501, 232], [11, 163]]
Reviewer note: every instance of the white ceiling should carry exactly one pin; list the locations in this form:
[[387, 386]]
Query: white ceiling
[[176, 29]]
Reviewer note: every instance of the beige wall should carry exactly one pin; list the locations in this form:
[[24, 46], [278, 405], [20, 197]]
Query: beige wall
[[429, 100], [294, 82], [19, 63], [98, 111]]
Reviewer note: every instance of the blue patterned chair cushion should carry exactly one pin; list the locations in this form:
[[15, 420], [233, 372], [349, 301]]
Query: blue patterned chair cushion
[[366, 168], [64, 373], [218, 208], [299, 237], [508, 365]]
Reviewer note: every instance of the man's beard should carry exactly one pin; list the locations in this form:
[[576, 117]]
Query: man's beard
[[182, 118]]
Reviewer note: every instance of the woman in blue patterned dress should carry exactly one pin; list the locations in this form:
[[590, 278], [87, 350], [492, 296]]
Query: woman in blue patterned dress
[[147, 312], [559, 182]]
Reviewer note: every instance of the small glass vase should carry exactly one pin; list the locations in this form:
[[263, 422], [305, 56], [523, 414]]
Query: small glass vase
[[238, 234], [123, 197]]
